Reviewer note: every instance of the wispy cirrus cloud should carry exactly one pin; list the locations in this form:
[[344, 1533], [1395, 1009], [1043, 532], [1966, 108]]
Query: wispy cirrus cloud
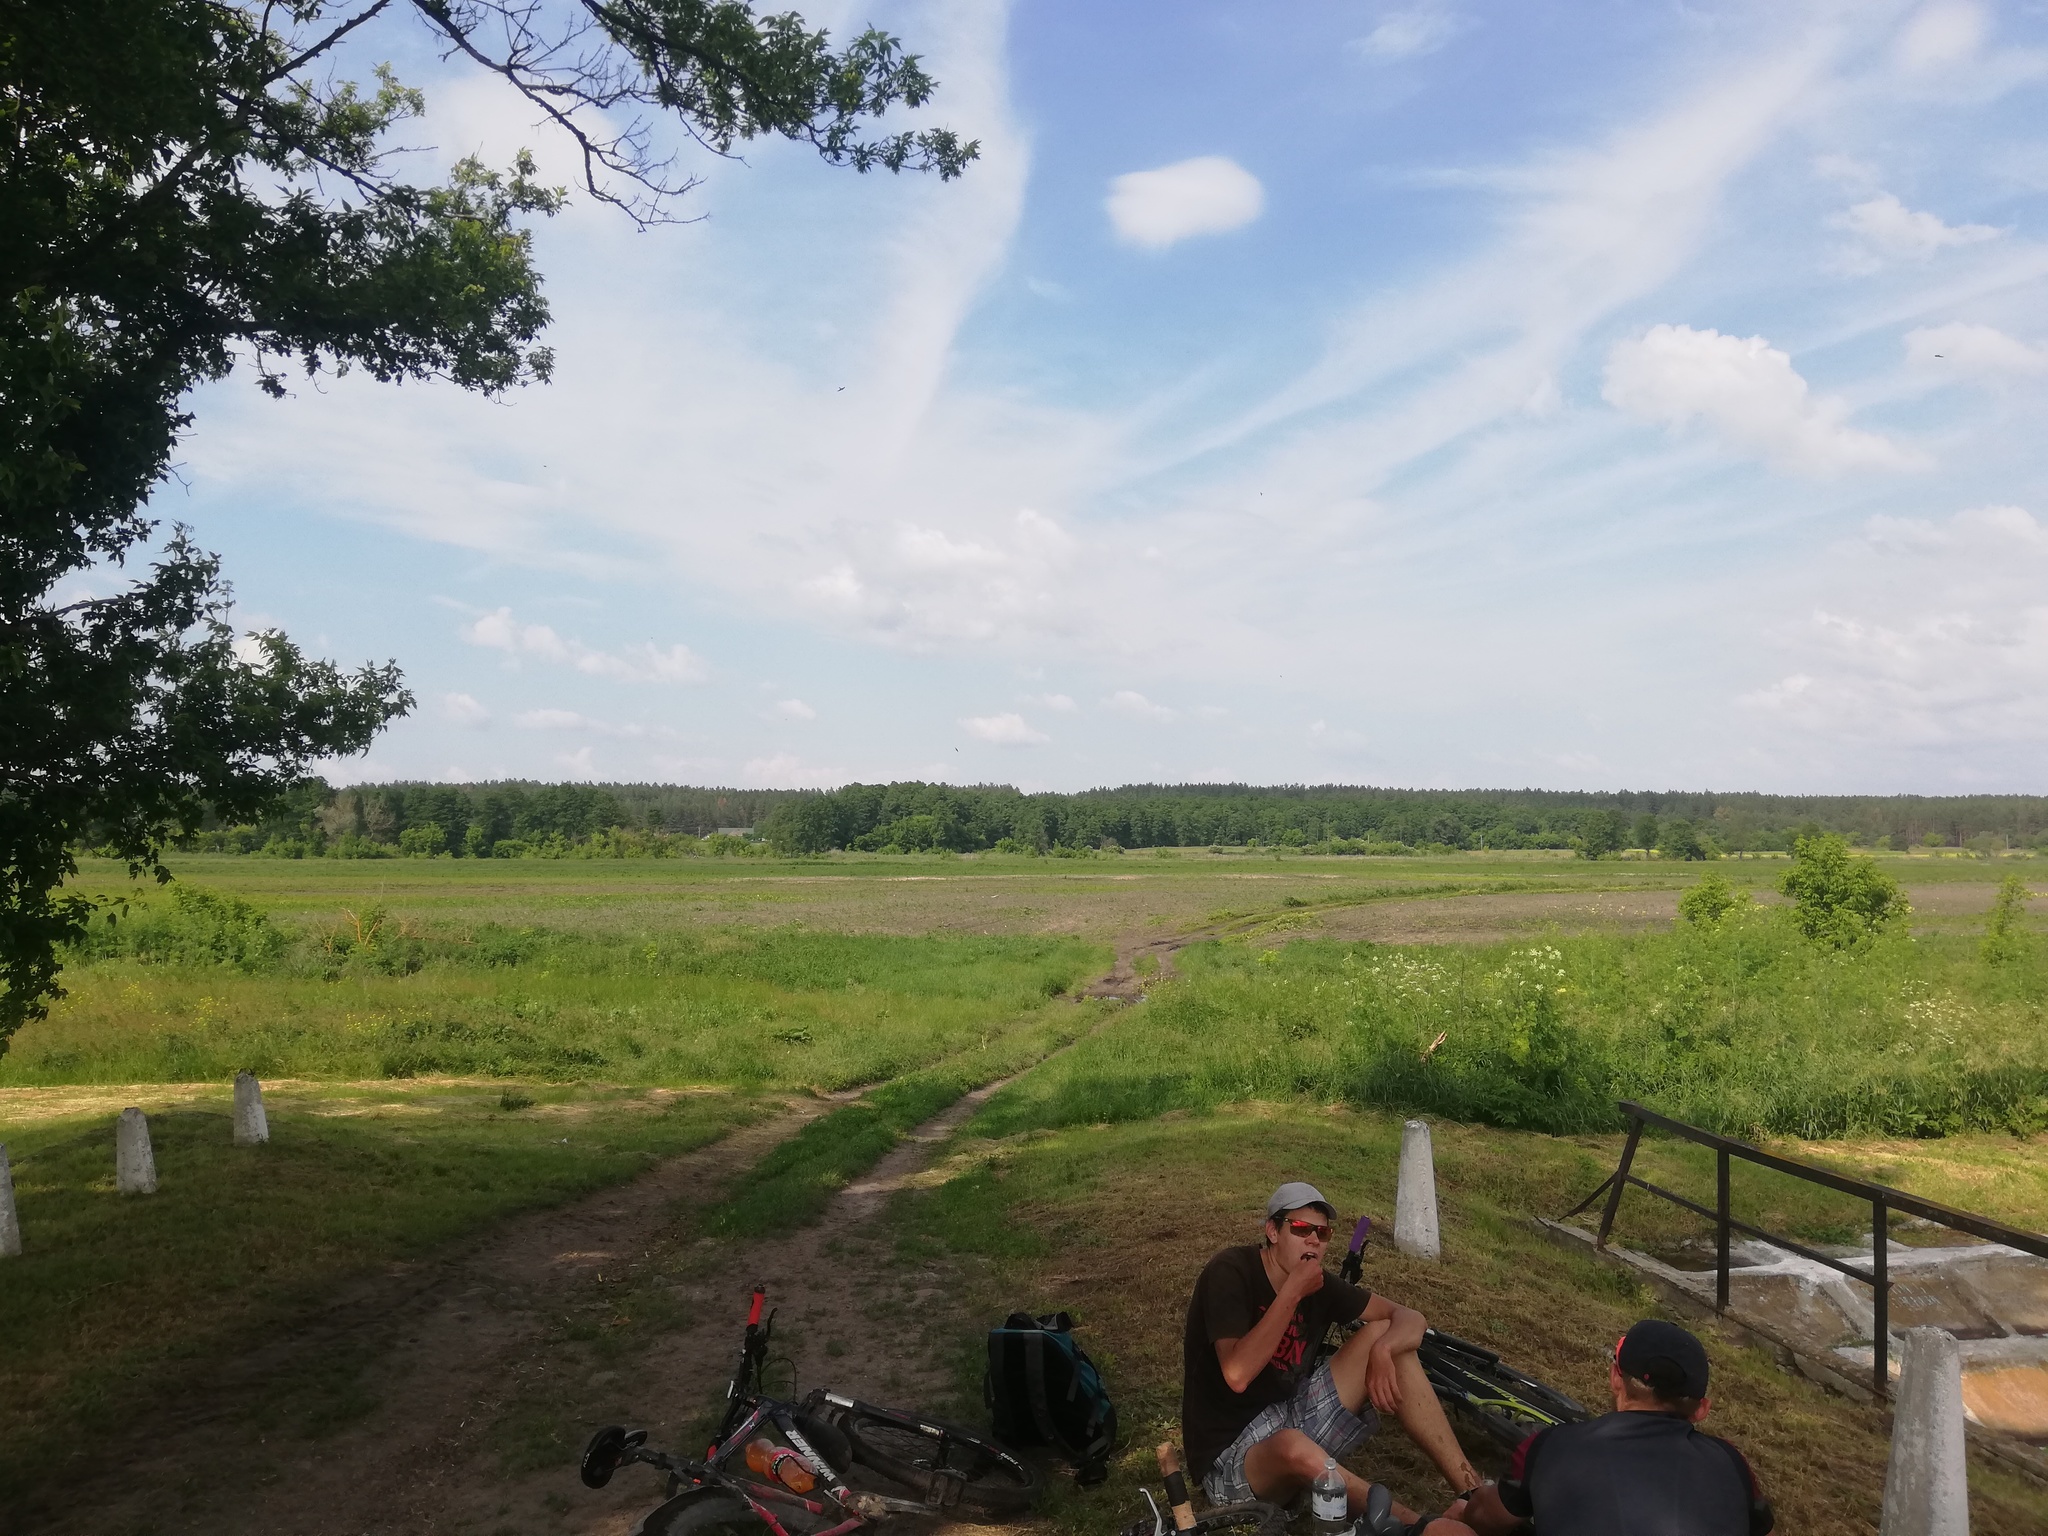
[[1974, 351], [1411, 32]]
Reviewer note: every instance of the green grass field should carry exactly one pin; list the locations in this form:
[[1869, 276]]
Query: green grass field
[[432, 1030]]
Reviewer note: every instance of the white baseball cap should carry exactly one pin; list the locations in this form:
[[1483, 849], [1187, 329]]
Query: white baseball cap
[[1292, 1197]]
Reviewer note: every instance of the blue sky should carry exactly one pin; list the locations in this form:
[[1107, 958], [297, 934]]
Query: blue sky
[[1575, 395]]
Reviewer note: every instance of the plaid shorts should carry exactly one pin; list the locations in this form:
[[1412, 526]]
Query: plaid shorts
[[1316, 1410]]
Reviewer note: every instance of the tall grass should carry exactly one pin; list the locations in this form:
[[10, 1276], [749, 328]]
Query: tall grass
[[202, 984], [1741, 1026]]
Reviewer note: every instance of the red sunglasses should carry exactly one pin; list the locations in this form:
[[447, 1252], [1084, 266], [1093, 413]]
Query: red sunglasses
[[1319, 1231]]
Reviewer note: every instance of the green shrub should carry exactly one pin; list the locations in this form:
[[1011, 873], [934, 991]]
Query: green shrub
[[1842, 902], [196, 926], [1710, 900], [2004, 935]]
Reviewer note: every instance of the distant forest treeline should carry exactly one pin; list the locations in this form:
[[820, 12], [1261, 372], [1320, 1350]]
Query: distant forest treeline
[[515, 819]]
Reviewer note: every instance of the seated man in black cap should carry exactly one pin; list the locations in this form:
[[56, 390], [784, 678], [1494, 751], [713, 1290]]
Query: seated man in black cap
[[1643, 1468], [1259, 1417]]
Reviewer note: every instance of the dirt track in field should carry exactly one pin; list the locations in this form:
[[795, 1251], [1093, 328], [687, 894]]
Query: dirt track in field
[[486, 1363]]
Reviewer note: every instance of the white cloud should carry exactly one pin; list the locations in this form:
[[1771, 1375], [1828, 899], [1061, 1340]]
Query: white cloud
[[1125, 701], [553, 720], [925, 587], [1209, 195], [642, 663], [578, 764], [1058, 701], [461, 709], [1004, 730], [1933, 632], [785, 770], [1973, 350], [1748, 393], [795, 709], [1939, 36], [1411, 32], [1888, 227], [571, 720]]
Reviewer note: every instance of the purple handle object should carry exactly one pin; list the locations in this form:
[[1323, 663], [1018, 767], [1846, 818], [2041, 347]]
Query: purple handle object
[[1358, 1234]]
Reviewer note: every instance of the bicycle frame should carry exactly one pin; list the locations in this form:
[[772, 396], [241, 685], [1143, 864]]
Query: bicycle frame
[[747, 1411]]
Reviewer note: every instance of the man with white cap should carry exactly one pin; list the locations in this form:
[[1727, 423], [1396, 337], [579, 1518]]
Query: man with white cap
[[1259, 1416]]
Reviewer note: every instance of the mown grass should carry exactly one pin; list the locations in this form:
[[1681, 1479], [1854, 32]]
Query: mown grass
[[116, 1298], [1113, 1223], [1742, 1027]]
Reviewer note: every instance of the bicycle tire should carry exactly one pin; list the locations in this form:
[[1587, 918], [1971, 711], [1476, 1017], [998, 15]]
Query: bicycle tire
[[1499, 1400], [942, 1463], [1253, 1517], [701, 1512]]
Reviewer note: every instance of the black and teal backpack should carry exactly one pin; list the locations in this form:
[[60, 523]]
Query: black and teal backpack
[[1042, 1389]]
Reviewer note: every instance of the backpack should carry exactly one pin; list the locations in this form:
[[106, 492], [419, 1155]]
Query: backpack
[[1042, 1389]]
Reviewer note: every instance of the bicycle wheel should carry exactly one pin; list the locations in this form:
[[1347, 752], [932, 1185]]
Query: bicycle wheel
[[942, 1463], [1251, 1518], [701, 1512]]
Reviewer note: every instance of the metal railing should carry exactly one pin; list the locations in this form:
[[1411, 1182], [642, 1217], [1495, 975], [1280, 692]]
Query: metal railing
[[1882, 1200]]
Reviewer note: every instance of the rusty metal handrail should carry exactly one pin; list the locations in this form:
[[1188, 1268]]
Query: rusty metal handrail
[[1882, 1198]]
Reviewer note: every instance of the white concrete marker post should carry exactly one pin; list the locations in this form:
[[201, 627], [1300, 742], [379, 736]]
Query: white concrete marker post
[[252, 1126], [1415, 1230], [1926, 1489], [134, 1163], [10, 1224]]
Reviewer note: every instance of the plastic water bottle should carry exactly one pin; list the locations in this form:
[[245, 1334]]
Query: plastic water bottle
[[1329, 1500], [767, 1459]]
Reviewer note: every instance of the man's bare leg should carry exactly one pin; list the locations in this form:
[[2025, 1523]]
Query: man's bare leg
[[1421, 1415]]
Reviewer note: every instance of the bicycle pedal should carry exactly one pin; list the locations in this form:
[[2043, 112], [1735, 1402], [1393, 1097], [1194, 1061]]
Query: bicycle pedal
[[944, 1489]]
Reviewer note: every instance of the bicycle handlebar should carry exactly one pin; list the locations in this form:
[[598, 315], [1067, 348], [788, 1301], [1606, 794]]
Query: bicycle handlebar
[[754, 1311]]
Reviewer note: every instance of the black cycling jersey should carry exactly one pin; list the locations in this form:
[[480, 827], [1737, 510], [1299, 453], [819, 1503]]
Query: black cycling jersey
[[1634, 1474]]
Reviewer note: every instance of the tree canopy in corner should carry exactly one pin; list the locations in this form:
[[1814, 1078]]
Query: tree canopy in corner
[[192, 186]]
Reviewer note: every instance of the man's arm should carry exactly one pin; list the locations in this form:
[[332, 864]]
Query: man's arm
[[1402, 1336], [1243, 1358]]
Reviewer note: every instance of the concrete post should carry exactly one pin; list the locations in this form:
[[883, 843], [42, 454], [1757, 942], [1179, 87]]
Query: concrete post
[[1415, 1230], [134, 1163], [10, 1223], [252, 1126], [1926, 1491]]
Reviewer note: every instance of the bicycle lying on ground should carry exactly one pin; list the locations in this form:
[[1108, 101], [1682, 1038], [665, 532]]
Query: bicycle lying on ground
[[1474, 1382], [801, 1486]]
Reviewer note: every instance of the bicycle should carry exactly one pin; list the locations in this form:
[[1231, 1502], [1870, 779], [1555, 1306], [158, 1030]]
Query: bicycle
[[1473, 1381], [945, 1466]]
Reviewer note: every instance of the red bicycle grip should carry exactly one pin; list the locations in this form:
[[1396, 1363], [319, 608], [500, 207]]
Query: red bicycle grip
[[754, 1312]]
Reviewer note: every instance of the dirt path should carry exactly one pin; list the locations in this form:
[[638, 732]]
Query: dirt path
[[486, 1367]]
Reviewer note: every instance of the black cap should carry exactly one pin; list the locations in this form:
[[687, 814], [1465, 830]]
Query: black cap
[[1672, 1361]]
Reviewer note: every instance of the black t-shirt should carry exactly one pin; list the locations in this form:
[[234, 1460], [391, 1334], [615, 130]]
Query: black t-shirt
[[1634, 1474], [1230, 1298]]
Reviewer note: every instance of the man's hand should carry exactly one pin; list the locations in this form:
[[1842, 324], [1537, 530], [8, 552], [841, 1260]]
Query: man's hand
[[1305, 1279], [1382, 1381]]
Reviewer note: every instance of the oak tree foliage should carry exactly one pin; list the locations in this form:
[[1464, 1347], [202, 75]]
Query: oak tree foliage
[[192, 186]]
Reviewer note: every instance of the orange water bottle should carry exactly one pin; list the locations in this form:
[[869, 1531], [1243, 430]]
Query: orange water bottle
[[767, 1459]]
